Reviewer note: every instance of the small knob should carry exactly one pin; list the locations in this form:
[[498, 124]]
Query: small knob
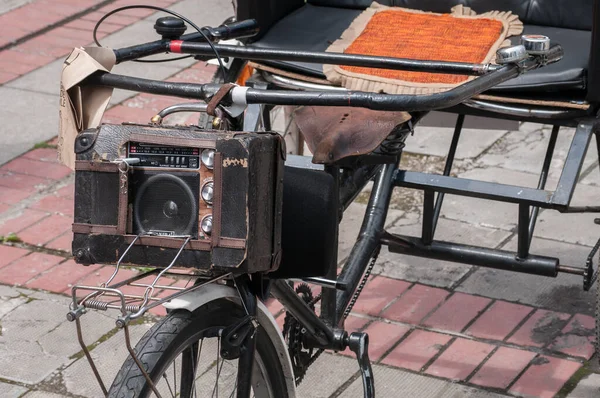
[[170, 28], [536, 44], [512, 54]]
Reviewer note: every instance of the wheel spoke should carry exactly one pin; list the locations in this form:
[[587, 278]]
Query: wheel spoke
[[189, 365], [169, 384]]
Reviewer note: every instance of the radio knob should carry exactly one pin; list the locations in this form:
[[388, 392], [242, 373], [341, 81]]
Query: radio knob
[[206, 224], [208, 158], [207, 192]]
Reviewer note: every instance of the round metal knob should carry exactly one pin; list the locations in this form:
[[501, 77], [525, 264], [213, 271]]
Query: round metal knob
[[536, 44], [511, 55], [206, 224]]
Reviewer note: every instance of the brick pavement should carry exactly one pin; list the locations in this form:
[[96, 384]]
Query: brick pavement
[[416, 325]]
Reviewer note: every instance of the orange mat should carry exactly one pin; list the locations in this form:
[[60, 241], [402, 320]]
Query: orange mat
[[460, 36]]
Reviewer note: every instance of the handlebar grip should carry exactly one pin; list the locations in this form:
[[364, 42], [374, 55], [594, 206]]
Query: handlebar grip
[[236, 30]]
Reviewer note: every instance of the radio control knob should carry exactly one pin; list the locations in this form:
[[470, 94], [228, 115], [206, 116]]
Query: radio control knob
[[208, 158], [207, 192], [206, 224]]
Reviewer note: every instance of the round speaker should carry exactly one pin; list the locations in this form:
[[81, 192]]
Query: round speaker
[[165, 203]]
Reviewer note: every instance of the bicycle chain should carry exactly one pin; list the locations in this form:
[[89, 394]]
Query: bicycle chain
[[363, 282]]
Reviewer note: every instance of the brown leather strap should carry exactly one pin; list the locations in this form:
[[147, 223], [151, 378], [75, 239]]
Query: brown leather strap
[[218, 97]]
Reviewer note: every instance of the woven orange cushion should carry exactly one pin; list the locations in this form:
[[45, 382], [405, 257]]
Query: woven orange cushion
[[424, 36]]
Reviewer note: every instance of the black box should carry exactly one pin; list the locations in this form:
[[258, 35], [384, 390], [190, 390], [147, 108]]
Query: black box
[[222, 189]]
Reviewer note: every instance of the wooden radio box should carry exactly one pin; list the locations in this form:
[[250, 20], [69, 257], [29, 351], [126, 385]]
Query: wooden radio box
[[161, 185]]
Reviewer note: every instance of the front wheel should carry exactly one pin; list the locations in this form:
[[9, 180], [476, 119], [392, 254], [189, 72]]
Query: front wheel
[[181, 354]]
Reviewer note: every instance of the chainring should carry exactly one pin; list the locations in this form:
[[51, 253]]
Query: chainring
[[293, 332]]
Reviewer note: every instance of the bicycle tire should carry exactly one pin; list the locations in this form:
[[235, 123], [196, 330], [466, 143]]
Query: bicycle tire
[[163, 343]]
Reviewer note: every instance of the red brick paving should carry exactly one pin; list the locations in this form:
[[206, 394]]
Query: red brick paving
[[415, 304], [577, 338], [42, 154], [460, 359], [540, 329], [25, 268], [457, 312], [62, 277], [25, 219], [499, 320], [54, 203], [3, 208], [99, 276], [378, 293], [416, 350], [502, 367], [63, 242], [46, 230], [545, 377], [11, 196], [37, 168], [382, 336], [22, 182], [8, 254]]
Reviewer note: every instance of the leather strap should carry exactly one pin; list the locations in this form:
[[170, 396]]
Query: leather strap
[[218, 97]]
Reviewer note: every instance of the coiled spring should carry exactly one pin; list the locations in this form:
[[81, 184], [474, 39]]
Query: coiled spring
[[395, 141], [96, 305]]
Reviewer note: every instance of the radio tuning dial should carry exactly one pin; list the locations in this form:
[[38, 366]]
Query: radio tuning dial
[[206, 224], [207, 192], [208, 158]]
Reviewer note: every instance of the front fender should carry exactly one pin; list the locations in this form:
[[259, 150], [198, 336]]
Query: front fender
[[197, 298]]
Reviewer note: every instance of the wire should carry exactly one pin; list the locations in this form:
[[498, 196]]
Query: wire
[[173, 13]]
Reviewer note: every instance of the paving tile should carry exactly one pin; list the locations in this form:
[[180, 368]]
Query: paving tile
[[545, 377], [8, 254], [415, 304], [563, 293], [12, 390], [22, 182], [46, 230], [22, 220], [11, 196], [499, 320], [430, 272], [460, 359], [354, 323], [27, 59], [577, 338], [68, 191], [416, 350], [3, 208], [274, 306], [502, 367], [540, 329], [378, 293], [394, 382], [43, 155], [456, 312], [62, 277], [336, 369], [588, 387], [7, 76], [20, 69], [55, 204], [26, 268], [37, 168], [101, 275], [63, 242], [382, 336]]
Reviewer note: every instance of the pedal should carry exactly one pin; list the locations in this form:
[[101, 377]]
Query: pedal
[[359, 344]]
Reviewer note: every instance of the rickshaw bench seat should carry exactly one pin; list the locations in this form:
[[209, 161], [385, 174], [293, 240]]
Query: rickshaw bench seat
[[314, 28]]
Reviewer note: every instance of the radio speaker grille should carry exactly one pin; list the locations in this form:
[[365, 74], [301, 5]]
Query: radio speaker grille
[[165, 203]]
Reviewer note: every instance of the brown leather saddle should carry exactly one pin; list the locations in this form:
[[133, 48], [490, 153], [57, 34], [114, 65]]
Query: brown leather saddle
[[333, 133]]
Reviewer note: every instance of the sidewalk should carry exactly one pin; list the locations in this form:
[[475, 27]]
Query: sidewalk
[[436, 329]]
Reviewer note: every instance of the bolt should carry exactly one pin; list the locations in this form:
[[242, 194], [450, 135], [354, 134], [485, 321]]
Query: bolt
[[84, 141], [235, 336]]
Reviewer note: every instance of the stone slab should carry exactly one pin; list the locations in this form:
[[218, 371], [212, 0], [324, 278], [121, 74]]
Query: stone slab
[[28, 118], [434, 272], [563, 294], [335, 370], [11, 390], [392, 382], [42, 394], [588, 387]]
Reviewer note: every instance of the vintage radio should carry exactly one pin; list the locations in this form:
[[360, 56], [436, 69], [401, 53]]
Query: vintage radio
[[162, 185]]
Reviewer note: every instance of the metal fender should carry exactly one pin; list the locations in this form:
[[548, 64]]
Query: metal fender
[[197, 298]]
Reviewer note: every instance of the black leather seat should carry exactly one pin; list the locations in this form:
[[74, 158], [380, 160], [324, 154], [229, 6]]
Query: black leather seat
[[313, 27]]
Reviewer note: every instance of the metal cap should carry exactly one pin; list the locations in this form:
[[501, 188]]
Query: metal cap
[[512, 54], [536, 44]]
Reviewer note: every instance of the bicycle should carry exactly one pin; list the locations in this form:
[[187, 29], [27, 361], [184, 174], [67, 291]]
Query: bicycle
[[228, 306]]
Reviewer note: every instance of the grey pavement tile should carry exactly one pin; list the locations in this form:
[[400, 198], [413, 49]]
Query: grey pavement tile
[[7, 5], [436, 141], [525, 151], [351, 223], [31, 321], [11, 390], [391, 382], [588, 387], [25, 362], [433, 272], [8, 305], [42, 80], [563, 293], [8, 292], [485, 212], [42, 394], [27, 118], [335, 370], [108, 356]]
